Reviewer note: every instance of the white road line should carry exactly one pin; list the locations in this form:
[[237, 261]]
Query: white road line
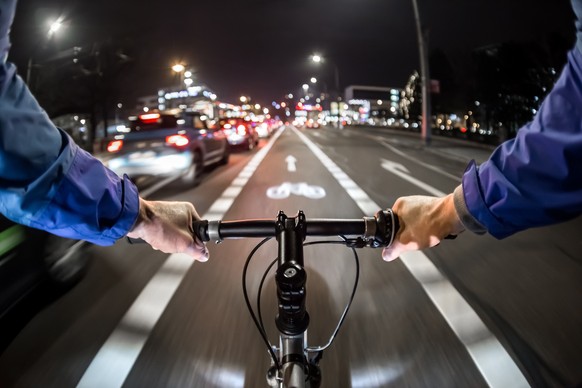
[[413, 159], [116, 358], [402, 172], [150, 190], [490, 357]]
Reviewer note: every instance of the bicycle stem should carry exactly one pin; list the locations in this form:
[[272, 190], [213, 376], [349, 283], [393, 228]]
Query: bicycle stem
[[292, 319], [291, 277]]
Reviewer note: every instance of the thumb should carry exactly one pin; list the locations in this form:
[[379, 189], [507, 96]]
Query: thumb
[[392, 252], [198, 251]]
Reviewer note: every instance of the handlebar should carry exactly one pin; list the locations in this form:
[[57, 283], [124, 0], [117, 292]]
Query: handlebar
[[375, 232]]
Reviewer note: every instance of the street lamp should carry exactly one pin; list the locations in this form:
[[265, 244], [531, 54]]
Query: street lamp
[[316, 58], [179, 68], [313, 80], [424, 77], [54, 27]]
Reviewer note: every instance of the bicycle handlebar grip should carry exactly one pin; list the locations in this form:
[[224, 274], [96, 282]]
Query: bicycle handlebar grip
[[200, 229], [386, 228]]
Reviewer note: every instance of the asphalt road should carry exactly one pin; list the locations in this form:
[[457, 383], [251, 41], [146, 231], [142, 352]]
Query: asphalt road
[[484, 300]]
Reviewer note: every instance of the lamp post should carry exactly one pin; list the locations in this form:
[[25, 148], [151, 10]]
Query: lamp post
[[179, 69], [316, 58], [54, 27], [424, 77]]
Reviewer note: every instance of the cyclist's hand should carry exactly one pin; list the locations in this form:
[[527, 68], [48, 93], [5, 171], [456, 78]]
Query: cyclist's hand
[[424, 222], [167, 226]]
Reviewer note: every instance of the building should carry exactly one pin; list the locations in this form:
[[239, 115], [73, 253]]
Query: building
[[371, 104], [198, 97]]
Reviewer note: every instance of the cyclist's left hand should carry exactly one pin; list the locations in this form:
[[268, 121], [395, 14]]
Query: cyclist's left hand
[[424, 222], [167, 226]]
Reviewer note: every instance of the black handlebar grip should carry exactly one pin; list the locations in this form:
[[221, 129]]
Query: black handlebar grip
[[386, 228], [200, 229]]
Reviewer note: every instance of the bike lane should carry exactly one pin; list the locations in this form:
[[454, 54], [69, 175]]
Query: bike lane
[[513, 284], [393, 333]]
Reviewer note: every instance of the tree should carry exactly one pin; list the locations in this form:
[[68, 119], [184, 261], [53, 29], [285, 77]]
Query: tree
[[85, 80]]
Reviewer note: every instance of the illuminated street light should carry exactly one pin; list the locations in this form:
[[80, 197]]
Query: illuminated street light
[[316, 58], [54, 27], [313, 80], [188, 74], [188, 81], [178, 68], [257, 106], [305, 87], [243, 99]]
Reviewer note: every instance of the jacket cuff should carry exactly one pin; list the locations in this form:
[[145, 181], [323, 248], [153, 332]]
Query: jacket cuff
[[467, 219]]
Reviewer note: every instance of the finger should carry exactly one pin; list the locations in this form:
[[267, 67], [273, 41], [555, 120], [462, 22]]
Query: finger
[[390, 253], [198, 252]]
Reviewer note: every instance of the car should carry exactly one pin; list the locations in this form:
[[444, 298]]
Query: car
[[35, 267], [239, 132], [174, 143]]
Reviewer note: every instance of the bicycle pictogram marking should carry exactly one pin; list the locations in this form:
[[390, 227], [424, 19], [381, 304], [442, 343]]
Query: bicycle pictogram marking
[[302, 189]]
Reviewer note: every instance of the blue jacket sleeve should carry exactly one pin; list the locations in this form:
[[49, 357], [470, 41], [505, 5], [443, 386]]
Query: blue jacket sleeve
[[46, 180], [536, 178]]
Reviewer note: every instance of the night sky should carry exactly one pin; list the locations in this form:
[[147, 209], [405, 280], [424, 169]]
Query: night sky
[[262, 47]]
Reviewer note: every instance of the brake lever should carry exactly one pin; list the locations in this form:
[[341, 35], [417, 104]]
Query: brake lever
[[357, 243]]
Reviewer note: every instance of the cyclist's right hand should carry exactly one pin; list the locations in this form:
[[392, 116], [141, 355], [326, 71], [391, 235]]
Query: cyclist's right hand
[[167, 226], [424, 222]]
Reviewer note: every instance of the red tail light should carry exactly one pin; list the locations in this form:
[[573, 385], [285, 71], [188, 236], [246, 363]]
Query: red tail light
[[177, 140], [241, 130], [149, 118], [114, 145], [463, 129]]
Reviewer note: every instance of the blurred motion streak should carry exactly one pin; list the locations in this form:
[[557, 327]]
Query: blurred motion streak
[[220, 376], [379, 376]]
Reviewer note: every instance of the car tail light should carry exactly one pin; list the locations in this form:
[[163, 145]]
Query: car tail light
[[241, 130], [114, 145], [149, 118], [177, 140]]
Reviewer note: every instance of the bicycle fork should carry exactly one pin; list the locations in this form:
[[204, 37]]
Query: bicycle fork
[[292, 319]]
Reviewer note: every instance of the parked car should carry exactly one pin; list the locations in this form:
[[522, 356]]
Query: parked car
[[239, 132], [167, 143], [34, 266]]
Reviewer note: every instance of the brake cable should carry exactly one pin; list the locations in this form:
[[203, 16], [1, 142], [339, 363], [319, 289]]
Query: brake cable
[[259, 321]]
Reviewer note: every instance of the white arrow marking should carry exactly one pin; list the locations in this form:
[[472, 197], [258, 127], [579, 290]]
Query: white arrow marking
[[402, 172], [291, 163]]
